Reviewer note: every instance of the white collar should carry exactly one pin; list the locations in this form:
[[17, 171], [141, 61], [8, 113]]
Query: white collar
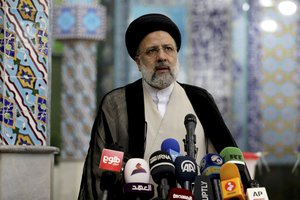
[[156, 93], [160, 97]]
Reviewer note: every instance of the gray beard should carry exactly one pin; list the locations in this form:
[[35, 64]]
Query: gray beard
[[159, 81]]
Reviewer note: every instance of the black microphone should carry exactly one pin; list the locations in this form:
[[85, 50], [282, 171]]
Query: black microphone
[[203, 188], [163, 172], [186, 171], [110, 167], [190, 122]]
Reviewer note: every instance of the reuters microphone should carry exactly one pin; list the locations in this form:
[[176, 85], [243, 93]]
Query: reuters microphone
[[110, 170], [172, 147], [231, 184], [137, 180], [235, 155], [163, 172], [210, 166], [186, 171]]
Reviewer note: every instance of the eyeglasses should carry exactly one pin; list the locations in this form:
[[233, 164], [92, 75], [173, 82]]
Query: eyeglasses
[[154, 51]]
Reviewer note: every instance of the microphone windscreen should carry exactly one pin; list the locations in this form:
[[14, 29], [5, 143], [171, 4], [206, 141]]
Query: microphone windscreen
[[180, 193], [231, 185], [190, 118], [186, 169], [233, 154], [229, 171], [110, 166], [137, 171], [170, 143], [210, 165], [107, 180], [161, 166]]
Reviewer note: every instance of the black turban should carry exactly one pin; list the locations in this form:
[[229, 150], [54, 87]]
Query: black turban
[[146, 24]]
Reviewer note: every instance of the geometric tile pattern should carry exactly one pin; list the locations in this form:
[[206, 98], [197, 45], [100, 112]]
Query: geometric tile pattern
[[78, 97], [239, 113], [79, 26], [211, 66], [80, 22], [24, 67], [253, 58], [279, 79]]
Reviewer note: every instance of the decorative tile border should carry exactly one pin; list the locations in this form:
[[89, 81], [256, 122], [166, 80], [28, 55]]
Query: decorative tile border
[[24, 56]]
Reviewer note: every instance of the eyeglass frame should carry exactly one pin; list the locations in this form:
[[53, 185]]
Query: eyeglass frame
[[153, 51]]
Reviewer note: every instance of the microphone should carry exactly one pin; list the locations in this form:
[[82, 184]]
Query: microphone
[[210, 166], [180, 193], [163, 172], [190, 122], [256, 192], [231, 184], [137, 180], [186, 171], [171, 146], [110, 170], [235, 155], [203, 189]]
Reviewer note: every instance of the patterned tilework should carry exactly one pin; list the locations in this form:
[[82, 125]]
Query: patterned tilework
[[79, 21], [253, 80], [24, 65], [83, 23], [211, 43], [279, 81], [239, 111], [78, 97]]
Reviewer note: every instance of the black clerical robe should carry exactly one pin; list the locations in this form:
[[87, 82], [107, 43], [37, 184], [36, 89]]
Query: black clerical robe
[[121, 120]]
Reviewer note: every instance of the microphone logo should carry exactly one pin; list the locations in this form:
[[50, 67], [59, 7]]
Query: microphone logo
[[138, 169], [230, 186], [160, 157], [181, 196], [111, 160], [235, 157], [188, 166], [217, 159]]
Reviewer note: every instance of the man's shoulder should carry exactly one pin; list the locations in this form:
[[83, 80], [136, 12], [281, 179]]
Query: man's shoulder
[[120, 92], [193, 89], [115, 94]]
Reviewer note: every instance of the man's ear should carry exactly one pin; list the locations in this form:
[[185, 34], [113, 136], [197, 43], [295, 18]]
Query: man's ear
[[138, 62]]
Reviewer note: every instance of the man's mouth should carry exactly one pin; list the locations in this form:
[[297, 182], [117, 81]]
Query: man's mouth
[[162, 69]]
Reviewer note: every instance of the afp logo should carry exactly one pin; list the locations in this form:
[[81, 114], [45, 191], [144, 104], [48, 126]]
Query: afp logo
[[188, 166]]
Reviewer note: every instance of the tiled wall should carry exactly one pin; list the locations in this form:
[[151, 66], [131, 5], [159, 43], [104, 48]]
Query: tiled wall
[[79, 25], [24, 66]]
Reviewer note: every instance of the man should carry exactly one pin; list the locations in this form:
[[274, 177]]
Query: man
[[140, 115]]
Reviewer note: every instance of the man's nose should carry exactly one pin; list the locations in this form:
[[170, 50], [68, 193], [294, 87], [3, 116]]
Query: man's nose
[[161, 54]]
